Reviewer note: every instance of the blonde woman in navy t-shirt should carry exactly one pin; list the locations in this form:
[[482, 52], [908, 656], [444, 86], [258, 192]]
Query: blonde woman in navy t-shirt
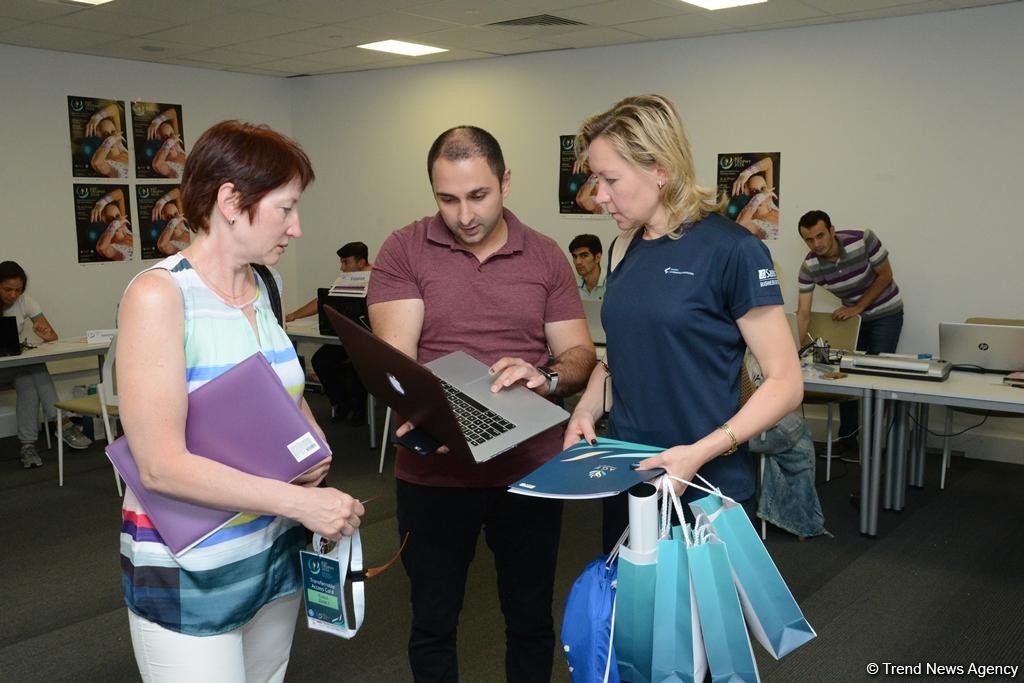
[[693, 291]]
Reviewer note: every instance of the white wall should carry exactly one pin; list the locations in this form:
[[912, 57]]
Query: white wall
[[35, 176], [910, 126]]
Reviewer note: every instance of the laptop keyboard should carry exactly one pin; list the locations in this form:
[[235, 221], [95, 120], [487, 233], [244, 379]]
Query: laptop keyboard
[[479, 424]]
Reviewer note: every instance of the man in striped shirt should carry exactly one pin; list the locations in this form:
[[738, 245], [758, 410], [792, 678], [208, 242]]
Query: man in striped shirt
[[853, 265]]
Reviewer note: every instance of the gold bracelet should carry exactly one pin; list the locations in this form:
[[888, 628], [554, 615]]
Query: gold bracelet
[[732, 437]]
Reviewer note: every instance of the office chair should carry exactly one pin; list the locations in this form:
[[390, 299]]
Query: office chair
[[840, 335]]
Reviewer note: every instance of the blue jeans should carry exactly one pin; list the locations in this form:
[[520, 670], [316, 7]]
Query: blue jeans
[[876, 336]]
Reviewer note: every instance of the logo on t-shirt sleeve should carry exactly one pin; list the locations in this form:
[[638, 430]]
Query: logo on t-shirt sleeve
[[767, 277]]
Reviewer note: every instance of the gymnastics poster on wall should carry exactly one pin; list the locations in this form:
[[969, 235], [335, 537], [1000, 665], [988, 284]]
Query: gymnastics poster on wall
[[576, 187], [162, 229], [751, 182], [99, 148], [159, 137], [103, 223]]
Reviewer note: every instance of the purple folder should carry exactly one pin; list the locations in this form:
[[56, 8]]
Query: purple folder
[[243, 418]]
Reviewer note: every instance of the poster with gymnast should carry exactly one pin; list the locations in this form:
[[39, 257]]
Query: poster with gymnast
[[103, 223], [159, 137], [750, 180], [163, 230], [99, 147]]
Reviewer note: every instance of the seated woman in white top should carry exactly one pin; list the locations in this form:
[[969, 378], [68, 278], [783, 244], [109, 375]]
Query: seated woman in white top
[[31, 382]]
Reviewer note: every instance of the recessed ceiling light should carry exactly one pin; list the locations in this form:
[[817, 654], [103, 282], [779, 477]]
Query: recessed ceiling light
[[400, 47], [87, 2], [722, 4]]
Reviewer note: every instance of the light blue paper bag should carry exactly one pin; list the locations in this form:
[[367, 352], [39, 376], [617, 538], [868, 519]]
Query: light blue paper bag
[[774, 617], [678, 651], [634, 614], [730, 656]]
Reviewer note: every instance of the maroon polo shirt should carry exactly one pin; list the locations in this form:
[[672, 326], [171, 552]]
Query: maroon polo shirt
[[489, 310]]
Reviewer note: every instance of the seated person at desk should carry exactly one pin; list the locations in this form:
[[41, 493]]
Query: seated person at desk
[[341, 384], [32, 383], [586, 257]]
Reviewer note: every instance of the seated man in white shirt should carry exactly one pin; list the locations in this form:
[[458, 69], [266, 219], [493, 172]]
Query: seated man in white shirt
[[341, 384], [586, 257]]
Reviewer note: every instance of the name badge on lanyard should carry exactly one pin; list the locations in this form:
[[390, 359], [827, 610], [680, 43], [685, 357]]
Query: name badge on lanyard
[[324, 573]]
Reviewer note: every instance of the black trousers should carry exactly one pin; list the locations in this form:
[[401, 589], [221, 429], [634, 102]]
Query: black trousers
[[443, 526], [340, 381]]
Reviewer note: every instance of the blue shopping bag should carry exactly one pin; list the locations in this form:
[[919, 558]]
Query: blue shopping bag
[[774, 617], [678, 651], [730, 656], [588, 623]]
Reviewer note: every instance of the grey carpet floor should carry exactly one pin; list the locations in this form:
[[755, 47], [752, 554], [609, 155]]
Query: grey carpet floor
[[943, 582]]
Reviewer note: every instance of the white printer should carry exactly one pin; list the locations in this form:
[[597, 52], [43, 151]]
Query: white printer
[[891, 365]]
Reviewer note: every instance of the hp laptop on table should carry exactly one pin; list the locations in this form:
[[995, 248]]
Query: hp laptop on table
[[10, 343], [989, 348], [449, 398]]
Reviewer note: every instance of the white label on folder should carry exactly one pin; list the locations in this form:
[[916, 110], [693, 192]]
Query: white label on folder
[[303, 447]]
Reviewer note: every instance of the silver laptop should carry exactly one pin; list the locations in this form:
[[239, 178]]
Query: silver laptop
[[592, 311], [449, 398], [993, 348]]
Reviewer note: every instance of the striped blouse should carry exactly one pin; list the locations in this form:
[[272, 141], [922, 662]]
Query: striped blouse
[[222, 582]]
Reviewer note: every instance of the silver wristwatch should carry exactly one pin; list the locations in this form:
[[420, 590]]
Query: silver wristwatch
[[552, 377]]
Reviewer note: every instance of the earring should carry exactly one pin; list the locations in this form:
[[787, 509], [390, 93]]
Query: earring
[[232, 221], [661, 184]]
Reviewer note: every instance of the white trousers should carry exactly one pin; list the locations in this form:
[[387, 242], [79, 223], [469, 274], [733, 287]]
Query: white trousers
[[256, 652]]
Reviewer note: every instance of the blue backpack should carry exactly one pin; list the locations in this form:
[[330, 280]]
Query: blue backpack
[[588, 624]]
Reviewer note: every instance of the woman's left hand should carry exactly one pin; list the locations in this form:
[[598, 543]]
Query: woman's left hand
[[315, 475], [679, 461]]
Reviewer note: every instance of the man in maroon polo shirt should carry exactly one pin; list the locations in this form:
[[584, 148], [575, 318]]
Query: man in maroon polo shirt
[[473, 278]]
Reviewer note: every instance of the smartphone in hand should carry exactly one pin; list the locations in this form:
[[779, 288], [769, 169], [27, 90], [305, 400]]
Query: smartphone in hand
[[419, 442]]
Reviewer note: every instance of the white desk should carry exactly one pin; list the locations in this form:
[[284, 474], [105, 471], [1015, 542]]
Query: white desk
[[862, 387], [307, 330], [912, 397], [54, 351]]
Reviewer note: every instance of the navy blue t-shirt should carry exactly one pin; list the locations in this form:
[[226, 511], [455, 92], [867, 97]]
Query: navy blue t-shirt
[[674, 349]]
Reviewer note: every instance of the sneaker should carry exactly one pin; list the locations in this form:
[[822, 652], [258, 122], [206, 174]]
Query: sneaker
[[30, 456], [74, 437]]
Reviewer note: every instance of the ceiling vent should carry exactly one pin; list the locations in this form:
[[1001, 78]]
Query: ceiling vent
[[539, 21]]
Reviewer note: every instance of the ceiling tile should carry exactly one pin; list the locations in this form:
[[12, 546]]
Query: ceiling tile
[[847, 6], [328, 36], [6, 24], [519, 46], [398, 24], [676, 27], [279, 46], [619, 12], [472, 37], [50, 37], [469, 12], [320, 11], [176, 12], [350, 56], [770, 12], [102, 19], [234, 28], [226, 57], [33, 10], [142, 49], [296, 66], [596, 37]]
